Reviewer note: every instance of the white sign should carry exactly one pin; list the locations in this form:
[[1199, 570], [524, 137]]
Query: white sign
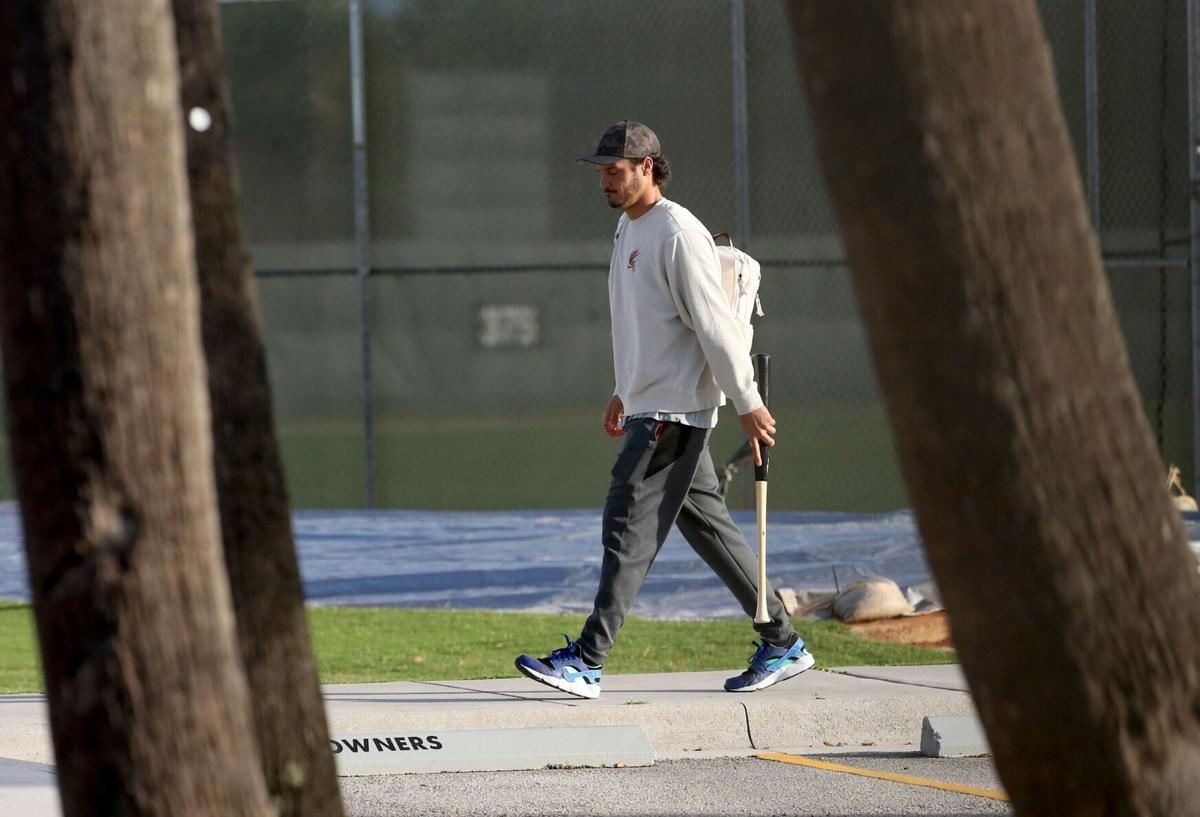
[[478, 750], [509, 326]]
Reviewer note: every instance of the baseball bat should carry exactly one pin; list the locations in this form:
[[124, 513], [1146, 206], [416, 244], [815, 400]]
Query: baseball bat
[[762, 375]]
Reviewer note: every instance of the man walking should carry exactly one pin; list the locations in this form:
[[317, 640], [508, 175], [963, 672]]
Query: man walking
[[677, 351]]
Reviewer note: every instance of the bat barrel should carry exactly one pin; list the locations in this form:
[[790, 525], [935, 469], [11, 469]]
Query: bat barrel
[[761, 616]]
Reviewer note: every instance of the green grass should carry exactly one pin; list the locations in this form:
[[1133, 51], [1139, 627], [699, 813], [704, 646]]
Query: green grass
[[20, 670], [358, 645]]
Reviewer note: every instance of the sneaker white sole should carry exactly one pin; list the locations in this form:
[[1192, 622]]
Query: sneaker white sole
[[804, 662], [580, 688]]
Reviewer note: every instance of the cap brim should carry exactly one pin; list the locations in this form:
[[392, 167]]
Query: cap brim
[[599, 159]]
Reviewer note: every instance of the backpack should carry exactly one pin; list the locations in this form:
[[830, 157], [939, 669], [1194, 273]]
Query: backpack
[[740, 278]]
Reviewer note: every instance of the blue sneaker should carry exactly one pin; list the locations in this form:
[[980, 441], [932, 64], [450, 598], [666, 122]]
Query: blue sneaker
[[770, 665], [563, 669]]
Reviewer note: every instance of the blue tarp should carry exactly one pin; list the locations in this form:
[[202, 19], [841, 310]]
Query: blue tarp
[[549, 561]]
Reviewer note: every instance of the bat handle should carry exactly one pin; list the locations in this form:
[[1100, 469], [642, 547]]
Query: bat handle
[[762, 376], [761, 616]]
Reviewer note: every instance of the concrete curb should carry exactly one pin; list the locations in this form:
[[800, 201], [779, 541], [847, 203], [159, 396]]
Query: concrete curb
[[493, 750], [28, 789], [953, 736]]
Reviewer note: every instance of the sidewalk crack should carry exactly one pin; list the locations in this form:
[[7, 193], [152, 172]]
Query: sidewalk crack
[[510, 695], [749, 730], [901, 683]]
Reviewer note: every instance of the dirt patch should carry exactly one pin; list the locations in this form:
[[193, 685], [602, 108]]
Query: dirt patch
[[929, 630]]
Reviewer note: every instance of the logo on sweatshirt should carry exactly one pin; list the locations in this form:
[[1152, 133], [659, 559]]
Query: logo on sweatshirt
[[633, 256]]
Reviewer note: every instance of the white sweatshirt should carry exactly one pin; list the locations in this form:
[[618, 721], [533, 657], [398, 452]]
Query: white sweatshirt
[[677, 346]]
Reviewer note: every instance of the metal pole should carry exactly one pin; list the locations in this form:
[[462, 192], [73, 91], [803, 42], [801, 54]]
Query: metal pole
[[741, 125], [1193, 44], [362, 237], [1091, 86]]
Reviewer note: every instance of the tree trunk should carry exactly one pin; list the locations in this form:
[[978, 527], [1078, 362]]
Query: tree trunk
[[1031, 467], [289, 715], [108, 416]]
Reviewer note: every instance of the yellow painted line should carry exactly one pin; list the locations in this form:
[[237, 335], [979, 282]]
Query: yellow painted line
[[896, 778]]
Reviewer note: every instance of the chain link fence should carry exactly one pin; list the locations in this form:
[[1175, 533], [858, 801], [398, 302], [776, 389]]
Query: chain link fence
[[469, 368], [437, 316]]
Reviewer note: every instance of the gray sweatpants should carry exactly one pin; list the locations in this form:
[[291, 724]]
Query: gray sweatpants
[[663, 476]]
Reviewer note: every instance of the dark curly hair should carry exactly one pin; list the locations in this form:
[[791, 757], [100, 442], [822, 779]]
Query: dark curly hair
[[662, 170]]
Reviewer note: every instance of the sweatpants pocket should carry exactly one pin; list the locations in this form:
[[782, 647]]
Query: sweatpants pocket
[[639, 442], [673, 439]]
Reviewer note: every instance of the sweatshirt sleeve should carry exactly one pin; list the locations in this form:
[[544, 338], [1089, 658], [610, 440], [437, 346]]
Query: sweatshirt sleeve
[[694, 276]]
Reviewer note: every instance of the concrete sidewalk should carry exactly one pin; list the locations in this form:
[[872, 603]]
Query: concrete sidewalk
[[683, 714]]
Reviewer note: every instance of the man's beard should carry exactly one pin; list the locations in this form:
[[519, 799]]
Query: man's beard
[[623, 198]]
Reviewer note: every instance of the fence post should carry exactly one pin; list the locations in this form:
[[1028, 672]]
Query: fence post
[[362, 237], [1193, 63], [741, 125], [1091, 93]]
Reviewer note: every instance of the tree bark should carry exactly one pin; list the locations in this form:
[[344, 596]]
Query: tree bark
[[108, 416], [1031, 467], [289, 715]]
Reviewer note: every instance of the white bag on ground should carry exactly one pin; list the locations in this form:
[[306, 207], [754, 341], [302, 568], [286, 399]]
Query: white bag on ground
[[806, 603], [870, 599]]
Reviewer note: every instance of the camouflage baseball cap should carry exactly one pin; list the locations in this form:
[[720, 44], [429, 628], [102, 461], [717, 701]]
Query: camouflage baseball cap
[[624, 140]]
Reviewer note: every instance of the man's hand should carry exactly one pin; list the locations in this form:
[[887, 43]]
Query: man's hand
[[614, 415], [759, 426]]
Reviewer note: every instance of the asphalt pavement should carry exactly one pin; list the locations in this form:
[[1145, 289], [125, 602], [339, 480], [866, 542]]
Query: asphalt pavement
[[714, 787]]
